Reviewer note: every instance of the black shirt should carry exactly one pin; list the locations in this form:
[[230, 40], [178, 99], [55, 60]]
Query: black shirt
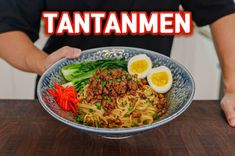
[[25, 15]]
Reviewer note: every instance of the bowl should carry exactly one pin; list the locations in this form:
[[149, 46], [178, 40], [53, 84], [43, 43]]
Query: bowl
[[179, 97]]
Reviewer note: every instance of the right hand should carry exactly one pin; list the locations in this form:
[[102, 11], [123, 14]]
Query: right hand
[[228, 106], [48, 60]]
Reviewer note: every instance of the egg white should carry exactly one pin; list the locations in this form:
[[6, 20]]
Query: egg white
[[136, 58], [165, 88]]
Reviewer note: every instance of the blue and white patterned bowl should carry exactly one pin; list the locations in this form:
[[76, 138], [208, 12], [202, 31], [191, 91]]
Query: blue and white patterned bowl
[[179, 97]]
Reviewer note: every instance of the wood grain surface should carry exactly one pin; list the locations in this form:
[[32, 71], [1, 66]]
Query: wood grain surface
[[27, 129]]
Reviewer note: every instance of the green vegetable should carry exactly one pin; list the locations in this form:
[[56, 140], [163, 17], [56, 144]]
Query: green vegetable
[[98, 105], [73, 71], [80, 81], [79, 118], [130, 108], [107, 98], [103, 83], [138, 120], [90, 110], [78, 75], [134, 125], [118, 80], [129, 78], [96, 124], [124, 77], [80, 110], [155, 116]]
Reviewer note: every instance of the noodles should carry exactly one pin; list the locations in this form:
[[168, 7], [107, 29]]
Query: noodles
[[108, 102]]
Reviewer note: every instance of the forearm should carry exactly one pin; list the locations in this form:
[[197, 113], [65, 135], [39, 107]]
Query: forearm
[[19, 51], [223, 32]]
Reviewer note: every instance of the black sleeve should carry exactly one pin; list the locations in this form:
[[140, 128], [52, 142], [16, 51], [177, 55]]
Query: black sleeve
[[207, 11], [21, 15]]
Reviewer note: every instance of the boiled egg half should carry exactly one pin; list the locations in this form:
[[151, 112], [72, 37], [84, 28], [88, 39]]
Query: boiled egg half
[[140, 65], [160, 79]]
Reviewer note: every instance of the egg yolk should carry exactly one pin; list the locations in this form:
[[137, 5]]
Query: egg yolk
[[139, 66], [159, 79]]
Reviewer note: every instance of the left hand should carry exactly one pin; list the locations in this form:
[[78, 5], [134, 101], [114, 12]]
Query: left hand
[[48, 60], [228, 106]]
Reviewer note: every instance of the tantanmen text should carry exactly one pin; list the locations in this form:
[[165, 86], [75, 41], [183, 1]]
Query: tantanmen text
[[102, 23]]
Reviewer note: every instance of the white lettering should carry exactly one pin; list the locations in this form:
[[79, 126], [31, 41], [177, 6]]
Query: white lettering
[[65, 24], [165, 23], [98, 22], [183, 23], [50, 21], [149, 26], [129, 23], [112, 24]]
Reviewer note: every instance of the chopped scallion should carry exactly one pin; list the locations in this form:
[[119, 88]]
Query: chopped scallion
[[98, 105], [79, 118], [155, 116], [80, 110], [96, 124], [106, 98], [130, 108], [103, 83], [118, 80], [123, 77], [134, 125]]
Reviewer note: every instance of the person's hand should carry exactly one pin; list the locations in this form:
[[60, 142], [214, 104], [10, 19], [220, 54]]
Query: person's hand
[[48, 60], [228, 106]]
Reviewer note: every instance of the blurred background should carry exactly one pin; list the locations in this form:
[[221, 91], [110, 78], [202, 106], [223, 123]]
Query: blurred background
[[196, 53]]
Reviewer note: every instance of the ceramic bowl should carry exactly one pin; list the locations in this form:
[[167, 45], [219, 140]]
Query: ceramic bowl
[[179, 97]]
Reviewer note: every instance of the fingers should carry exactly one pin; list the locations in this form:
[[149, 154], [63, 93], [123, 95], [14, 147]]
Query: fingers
[[68, 52], [228, 106]]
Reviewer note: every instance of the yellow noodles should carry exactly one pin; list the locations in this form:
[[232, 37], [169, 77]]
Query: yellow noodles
[[130, 110]]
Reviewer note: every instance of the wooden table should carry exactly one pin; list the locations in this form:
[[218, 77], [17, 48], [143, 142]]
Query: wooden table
[[27, 129]]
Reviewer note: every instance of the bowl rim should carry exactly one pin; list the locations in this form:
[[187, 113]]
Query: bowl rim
[[116, 130]]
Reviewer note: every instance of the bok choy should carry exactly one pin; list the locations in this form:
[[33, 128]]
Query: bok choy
[[78, 75]]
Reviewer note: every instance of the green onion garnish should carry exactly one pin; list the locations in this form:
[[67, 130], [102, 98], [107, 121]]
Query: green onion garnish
[[103, 83], [96, 124], [155, 116], [118, 80], [98, 105], [79, 118], [106, 98], [134, 125]]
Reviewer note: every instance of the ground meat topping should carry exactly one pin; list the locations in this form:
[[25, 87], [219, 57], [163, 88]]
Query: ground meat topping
[[107, 85]]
